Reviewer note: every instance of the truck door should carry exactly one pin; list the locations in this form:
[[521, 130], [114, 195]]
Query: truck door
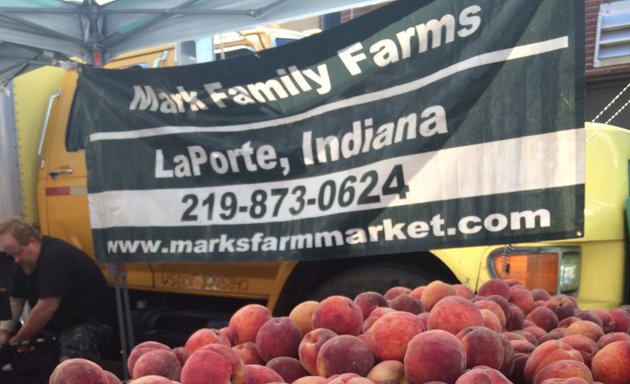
[[62, 184], [62, 192]]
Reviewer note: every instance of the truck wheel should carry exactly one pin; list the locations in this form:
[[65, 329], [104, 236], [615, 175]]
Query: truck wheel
[[372, 277]]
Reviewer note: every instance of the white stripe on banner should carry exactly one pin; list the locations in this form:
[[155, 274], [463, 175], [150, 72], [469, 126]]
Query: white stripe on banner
[[512, 165], [508, 54]]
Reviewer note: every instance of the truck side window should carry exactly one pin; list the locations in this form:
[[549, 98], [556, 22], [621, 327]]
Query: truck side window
[[227, 53], [278, 41], [75, 137]]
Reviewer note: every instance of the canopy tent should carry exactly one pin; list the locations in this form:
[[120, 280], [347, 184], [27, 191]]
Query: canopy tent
[[43, 32]]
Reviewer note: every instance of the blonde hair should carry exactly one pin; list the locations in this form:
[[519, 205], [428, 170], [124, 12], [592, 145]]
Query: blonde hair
[[20, 229]]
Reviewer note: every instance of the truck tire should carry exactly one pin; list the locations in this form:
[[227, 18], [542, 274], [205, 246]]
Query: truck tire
[[371, 277]]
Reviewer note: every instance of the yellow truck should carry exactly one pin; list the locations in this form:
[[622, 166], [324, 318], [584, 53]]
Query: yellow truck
[[180, 297]]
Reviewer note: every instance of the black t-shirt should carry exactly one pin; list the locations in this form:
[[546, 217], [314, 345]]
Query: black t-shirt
[[6, 266], [66, 272]]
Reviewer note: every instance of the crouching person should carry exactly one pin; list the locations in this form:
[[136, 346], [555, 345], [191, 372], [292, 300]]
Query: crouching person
[[67, 293]]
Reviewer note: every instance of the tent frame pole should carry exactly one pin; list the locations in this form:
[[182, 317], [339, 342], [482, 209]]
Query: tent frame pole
[[125, 326]]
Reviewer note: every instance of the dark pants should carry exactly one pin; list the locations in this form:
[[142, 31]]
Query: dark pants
[[88, 340]]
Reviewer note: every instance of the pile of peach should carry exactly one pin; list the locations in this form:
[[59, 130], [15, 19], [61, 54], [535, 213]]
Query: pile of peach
[[437, 333]]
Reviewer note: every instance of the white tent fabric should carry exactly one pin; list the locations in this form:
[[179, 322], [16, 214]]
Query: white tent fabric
[[37, 32]]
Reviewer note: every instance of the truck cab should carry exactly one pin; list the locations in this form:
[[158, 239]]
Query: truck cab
[[593, 267], [233, 44]]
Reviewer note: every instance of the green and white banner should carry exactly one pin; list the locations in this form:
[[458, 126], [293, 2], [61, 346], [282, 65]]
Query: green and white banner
[[421, 125]]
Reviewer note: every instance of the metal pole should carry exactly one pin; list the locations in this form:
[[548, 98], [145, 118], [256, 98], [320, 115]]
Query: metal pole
[[113, 270], [127, 308]]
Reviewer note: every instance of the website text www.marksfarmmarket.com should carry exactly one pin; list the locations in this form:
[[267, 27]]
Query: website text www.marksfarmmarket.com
[[387, 230]]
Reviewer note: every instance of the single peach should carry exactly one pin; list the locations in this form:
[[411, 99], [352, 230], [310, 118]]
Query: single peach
[[522, 297], [494, 287], [78, 371], [585, 345], [310, 345], [483, 346], [387, 372], [463, 291], [206, 367], [260, 374], [248, 353], [302, 315], [561, 305], [543, 317], [483, 375], [622, 319], [141, 349], [546, 353], [238, 375], [344, 354], [159, 362], [392, 292], [390, 334], [611, 365], [289, 368], [563, 369], [406, 303], [586, 328], [339, 314], [435, 291], [434, 355], [203, 337], [279, 336], [454, 313], [368, 301], [493, 307], [375, 315], [246, 322], [610, 337]]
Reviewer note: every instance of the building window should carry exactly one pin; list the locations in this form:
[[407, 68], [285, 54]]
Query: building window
[[612, 42]]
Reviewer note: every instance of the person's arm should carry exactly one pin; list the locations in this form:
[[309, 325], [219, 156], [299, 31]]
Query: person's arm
[[7, 327], [37, 319]]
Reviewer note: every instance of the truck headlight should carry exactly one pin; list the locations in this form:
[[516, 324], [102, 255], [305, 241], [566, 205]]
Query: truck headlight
[[555, 269], [570, 266]]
